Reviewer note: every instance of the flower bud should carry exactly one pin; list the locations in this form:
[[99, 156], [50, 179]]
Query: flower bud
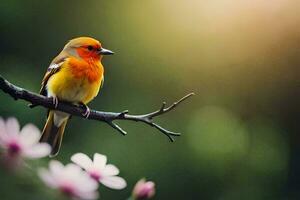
[[143, 190]]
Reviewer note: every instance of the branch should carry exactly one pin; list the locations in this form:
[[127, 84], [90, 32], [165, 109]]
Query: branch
[[108, 117]]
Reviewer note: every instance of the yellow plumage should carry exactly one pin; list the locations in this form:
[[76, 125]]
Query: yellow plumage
[[65, 85]]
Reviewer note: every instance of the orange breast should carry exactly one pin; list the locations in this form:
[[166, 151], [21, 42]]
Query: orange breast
[[77, 81], [91, 70]]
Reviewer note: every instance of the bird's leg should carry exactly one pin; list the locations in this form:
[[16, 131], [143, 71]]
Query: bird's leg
[[87, 112], [55, 101]]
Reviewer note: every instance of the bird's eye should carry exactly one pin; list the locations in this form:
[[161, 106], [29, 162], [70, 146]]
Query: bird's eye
[[90, 48]]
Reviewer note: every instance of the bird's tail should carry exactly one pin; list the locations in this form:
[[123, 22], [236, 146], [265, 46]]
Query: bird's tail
[[53, 131]]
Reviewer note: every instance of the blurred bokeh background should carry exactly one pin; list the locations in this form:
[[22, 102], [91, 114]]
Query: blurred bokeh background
[[240, 133]]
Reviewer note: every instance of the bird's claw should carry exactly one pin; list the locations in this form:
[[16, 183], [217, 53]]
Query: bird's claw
[[87, 112], [55, 102]]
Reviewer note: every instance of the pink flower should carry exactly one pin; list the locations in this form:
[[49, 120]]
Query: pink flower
[[99, 170], [70, 180], [143, 190], [18, 144]]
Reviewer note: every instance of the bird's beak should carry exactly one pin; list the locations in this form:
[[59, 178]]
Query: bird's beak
[[103, 51]]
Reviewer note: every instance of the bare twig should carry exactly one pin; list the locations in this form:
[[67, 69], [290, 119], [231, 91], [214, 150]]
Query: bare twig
[[108, 117]]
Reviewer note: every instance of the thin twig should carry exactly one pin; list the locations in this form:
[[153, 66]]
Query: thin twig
[[108, 117]]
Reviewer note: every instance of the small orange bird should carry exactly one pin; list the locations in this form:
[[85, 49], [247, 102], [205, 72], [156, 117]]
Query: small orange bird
[[75, 76]]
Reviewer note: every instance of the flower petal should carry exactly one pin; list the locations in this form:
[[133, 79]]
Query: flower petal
[[114, 182], [29, 135], [2, 131], [72, 171], [82, 160], [37, 151], [85, 183], [99, 161], [110, 170], [56, 168], [47, 178], [79, 178], [88, 195], [12, 127]]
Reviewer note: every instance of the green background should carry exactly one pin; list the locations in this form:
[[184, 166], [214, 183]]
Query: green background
[[240, 133]]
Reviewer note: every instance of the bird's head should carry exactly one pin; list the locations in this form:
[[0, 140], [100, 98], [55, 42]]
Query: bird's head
[[86, 48]]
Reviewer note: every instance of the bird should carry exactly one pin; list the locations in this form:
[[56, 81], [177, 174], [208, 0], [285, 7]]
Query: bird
[[75, 75]]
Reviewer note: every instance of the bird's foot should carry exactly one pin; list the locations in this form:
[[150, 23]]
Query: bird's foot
[[87, 112], [55, 101]]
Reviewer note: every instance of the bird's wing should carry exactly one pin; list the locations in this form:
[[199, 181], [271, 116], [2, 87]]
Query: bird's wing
[[54, 67]]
